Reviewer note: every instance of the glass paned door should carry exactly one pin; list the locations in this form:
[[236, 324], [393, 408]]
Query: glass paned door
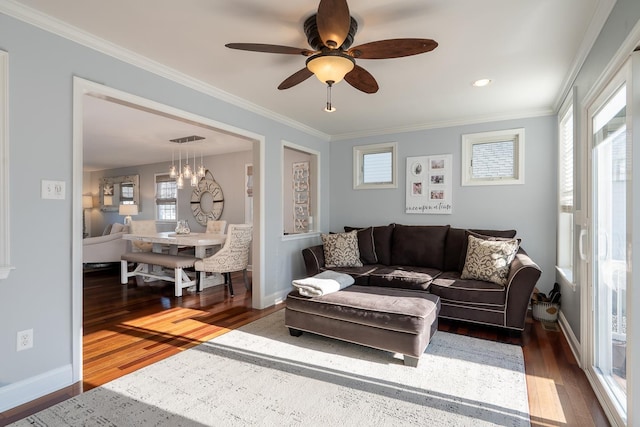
[[610, 182]]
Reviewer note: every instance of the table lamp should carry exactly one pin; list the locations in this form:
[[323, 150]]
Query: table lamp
[[87, 203], [128, 210]]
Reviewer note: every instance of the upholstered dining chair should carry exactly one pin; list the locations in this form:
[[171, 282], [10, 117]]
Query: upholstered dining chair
[[234, 255], [216, 227], [142, 227]]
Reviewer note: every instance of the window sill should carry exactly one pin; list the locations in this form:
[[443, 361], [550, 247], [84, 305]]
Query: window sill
[[4, 271], [299, 236], [565, 276]]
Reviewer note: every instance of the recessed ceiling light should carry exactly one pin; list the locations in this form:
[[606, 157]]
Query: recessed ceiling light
[[482, 82]]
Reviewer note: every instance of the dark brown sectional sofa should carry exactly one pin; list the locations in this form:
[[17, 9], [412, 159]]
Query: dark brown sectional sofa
[[431, 259]]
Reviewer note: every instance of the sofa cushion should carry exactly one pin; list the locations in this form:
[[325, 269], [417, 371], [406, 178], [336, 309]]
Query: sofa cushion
[[366, 244], [117, 228], [381, 242], [450, 287], [489, 260], [453, 249], [107, 230], [341, 250], [360, 274], [505, 234], [386, 308], [417, 278], [420, 246], [482, 234]]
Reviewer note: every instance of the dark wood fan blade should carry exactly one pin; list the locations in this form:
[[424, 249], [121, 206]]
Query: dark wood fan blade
[[295, 78], [392, 48], [333, 20], [362, 80], [270, 48]]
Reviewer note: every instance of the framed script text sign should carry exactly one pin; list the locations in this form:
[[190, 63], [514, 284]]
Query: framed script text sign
[[429, 187], [300, 197]]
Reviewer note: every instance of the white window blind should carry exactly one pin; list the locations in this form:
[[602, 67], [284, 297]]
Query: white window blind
[[377, 168], [493, 160], [166, 198], [566, 162]]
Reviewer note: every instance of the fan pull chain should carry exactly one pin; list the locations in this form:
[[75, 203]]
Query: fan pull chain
[[329, 108]]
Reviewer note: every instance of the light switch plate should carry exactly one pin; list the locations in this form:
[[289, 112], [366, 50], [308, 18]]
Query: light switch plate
[[53, 189]]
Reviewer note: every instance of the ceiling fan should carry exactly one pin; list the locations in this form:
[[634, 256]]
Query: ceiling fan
[[330, 34]]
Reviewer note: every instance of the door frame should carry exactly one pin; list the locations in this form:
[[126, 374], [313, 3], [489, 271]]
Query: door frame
[[621, 76], [82, 87]]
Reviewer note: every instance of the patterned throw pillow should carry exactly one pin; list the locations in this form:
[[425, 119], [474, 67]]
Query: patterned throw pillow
[[341, 250], [489, 260]]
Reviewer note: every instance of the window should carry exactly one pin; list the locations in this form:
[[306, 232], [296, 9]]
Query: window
[[565, 238], [493, 158], [166, 198], [374, 166], [126, 194]]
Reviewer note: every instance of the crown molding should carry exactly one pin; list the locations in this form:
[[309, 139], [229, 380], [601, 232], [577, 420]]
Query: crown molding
[[443, 124], [74, 34], [62, 29], [599, 18]]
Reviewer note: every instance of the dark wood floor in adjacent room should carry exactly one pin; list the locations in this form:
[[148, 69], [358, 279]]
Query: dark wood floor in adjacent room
[[129, 327]]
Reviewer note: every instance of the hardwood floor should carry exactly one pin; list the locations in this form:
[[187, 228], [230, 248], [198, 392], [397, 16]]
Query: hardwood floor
[[129, 327], [559, 392]]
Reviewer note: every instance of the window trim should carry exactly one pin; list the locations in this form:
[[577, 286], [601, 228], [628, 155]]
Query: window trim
[[315, 189], [360, 151], [469, 140], [566, 273], [5, 267]]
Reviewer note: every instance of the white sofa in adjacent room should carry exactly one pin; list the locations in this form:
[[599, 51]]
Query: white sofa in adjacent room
[[106, 248]]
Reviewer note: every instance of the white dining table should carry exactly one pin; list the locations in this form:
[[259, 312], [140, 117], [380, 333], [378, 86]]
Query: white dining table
[[173, 241]]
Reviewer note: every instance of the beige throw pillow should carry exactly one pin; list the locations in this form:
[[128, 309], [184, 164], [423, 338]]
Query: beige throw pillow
[[341, 250], [489, 260], [117, 228]]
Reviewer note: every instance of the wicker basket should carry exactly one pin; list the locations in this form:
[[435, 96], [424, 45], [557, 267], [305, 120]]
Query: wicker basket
[[546, 311]]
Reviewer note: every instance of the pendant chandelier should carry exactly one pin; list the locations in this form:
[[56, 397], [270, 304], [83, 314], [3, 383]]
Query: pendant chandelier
[[187, 173]]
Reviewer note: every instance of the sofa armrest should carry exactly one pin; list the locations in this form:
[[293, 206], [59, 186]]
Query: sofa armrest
[[313, 259], [101, 249], [102, 239], [523, 276]]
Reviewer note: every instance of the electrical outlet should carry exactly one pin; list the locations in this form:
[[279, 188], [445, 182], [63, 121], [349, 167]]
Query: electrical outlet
[[24, 340]]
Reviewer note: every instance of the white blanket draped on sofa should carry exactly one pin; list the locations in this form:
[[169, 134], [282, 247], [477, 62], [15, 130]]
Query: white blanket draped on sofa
[[323, 283]]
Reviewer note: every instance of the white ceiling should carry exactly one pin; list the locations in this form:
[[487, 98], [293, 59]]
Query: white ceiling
[[531, 49], [117, 134]]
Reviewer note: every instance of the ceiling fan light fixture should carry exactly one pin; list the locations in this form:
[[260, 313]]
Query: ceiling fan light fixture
[[330, 66], [329, 108]]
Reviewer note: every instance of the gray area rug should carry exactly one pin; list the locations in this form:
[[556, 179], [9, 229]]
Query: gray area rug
[[259, 375]]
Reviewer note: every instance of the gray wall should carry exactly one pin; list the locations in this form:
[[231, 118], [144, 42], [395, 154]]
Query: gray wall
[[529, 208], [38, 293], [227, 170], [623, 17]]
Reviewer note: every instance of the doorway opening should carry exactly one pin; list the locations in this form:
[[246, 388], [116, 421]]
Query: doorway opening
[[84, 93]]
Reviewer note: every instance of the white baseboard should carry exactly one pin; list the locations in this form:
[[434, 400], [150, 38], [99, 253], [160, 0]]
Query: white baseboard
[[276, 298], [25, 391], [574, 344]]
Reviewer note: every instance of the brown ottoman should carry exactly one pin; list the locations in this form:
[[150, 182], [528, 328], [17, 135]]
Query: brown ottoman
[[392, 319]]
